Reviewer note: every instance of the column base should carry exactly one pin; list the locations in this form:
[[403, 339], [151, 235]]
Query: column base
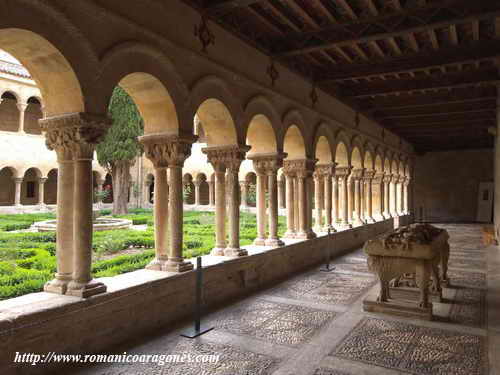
[[234, 253], [387, 215], [358, 223], [259, 242], [87, 290], [370, 220], [289, 234], [308, 235], [59, 285], [330, 228], [156, 264], [274, 242], [318, 229], [177, 266], [218, 251], [345, 226]]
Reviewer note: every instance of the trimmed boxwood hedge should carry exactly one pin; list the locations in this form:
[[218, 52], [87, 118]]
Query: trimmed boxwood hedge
[[27, 259]]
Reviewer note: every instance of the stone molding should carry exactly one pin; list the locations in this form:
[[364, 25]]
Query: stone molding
[[226, 157], [325, 170], [167, 150], [75, 134], [369, 175], [388, 178], [343, 172]]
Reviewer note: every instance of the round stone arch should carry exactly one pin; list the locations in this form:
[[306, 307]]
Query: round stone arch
[[219, 112], [260, 114], [67, 82], [13, 93], [293, 141], [324, 142], [379, 159], [387, 162], [152, 81], [357, 152], [342, 149], [7, 193]]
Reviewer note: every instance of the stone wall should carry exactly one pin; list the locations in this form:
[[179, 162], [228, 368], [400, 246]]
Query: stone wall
[[144, 301], [446, 184]]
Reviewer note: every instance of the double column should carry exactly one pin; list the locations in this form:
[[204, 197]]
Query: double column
[[227, 158], [387, 195], [357, 178], [168, 152], [41, 190], [266, 167], [379, 195], [368, 196], [324, 197], [343, 174], [74, 137], [300, 172]]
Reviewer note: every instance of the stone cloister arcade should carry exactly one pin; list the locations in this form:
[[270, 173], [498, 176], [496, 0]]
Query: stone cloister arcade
[[356, 180]]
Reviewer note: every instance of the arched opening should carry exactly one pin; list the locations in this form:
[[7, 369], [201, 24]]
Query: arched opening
[[30, 187], [52, 73], [377, 189], [294, 144], [251, 180], [8, 190], [202, 189], [217, 123], [50, 190], [108, 187], [356, 158], [341, 155], [188, 189], [323, 151], [32, 114], [153, 102], [261, 136], [9, 113]]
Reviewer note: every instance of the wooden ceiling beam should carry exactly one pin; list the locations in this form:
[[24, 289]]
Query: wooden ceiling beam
[[395, 46], [453, 34], [441, 81], [341, 38], [435, 114], [434, 39], [319, 4], [427, 102], [371, 7], [264, 21], [277, 13], [374, 45], [482, 50], [226, 6], [359, 51], [348, 9], [303, 14], [477, 121]]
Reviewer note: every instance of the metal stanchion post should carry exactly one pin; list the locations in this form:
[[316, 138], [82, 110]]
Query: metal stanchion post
[[328, 267], [198, 305]]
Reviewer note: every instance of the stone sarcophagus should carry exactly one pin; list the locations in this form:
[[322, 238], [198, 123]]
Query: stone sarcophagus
[[420, 250]]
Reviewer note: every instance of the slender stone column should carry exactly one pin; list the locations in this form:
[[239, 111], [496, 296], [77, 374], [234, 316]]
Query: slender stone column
[[327, 180], [78, 133], [350, 199], [244, 194], [272, 177], [319, 200], [387, 196], [18, 181], [369, 196], [290, 204], [394, 193], [41, 190], [296, 203], [235, 157], [335, 201], [378, 196], [261, 209], [281, 193], [405, 196], [401, 195], [197, 189], [160, 209], [179, 149], [147, 194], [64, 239], [211, 193], [220, 210], [22, 115], [357, 177]]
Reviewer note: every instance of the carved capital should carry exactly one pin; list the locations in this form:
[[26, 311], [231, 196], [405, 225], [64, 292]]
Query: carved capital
[[226, 157], [267, 164], [167, 150], [75, 134], [343, 172], [302, 168], [42, 180], [326, 170], [388, 178], [378, 178], [18, 180], [22, 107], [368, 175]]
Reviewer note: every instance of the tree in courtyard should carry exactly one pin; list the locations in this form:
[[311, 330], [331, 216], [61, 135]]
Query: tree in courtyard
[[119, 149]]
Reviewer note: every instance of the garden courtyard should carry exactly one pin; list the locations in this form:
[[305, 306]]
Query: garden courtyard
[[28, 261]]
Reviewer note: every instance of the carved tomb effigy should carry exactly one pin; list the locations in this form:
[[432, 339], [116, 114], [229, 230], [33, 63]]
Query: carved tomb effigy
[[420, 250]]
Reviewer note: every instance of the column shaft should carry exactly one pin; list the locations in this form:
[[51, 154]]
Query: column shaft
[[328, 202], [234, 249], [272, 179], [319, 200], [290, 206], [220, 212], [17, 193], [261, 210]]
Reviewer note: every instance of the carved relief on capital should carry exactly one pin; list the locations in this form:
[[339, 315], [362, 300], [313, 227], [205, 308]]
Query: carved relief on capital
[[301, 168], [267, 164], [358, 173], [75, 134], [378, 178], [343, 172], [167, 150], [226, 157], [388, 178], [368, 175], [325, 170]]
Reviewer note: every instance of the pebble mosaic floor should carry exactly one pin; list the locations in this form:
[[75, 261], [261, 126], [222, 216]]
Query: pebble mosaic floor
[[313, 324]]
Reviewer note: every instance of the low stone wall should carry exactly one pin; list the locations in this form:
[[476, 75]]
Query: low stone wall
[[144, 301]]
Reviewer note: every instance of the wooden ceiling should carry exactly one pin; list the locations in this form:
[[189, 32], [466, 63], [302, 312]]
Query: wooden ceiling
[[424, 69]]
